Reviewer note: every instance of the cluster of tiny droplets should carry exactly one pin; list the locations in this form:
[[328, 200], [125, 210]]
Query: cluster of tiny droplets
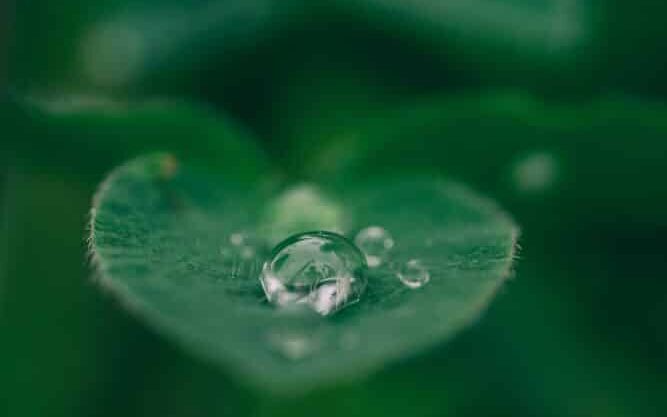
[[376, 243], [326, 272]]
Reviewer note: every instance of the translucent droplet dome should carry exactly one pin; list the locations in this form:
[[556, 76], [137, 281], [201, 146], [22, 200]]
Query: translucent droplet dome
[[323, 270]]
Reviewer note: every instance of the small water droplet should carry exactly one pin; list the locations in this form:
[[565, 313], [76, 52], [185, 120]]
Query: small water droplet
[[236, 239], [247, 252], [245, 245], [323, 270], [241, 254], [376, 243], [414, 274]]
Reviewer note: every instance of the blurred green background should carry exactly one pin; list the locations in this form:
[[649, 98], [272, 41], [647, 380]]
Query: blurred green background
[[556, 108]]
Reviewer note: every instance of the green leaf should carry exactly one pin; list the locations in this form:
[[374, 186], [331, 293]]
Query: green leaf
[[547, 45], [543, 28], [4, 229], [128, 45], [86, 134], [159, 236], [121, 44], [558, 163]]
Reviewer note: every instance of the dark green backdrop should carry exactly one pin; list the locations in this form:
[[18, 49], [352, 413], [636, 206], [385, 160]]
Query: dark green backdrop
[[476, 90]]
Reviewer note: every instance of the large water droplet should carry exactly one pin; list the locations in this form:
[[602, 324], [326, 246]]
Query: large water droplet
[[323, 270], [414, 274], [375, 242]]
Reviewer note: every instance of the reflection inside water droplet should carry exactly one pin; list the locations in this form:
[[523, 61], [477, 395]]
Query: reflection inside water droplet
[[292, 345], [322, 270], [413, 274], [331, 294], [376, 243]]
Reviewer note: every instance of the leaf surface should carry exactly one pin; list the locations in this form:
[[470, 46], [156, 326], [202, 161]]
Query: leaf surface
[[162, 240]]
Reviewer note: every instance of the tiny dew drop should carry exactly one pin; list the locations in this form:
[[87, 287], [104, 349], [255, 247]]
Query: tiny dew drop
[[245, 245], [413, 274], [236, 239], [376, 243], [322, 270], [241, 254]]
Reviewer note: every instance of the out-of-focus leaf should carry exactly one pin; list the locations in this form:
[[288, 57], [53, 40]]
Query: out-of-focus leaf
[[124, 45], [563, 46], [154, 43], [538, 28], [587, 163], [66, 348], [47, 346], [87, 134], [4, 228]]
